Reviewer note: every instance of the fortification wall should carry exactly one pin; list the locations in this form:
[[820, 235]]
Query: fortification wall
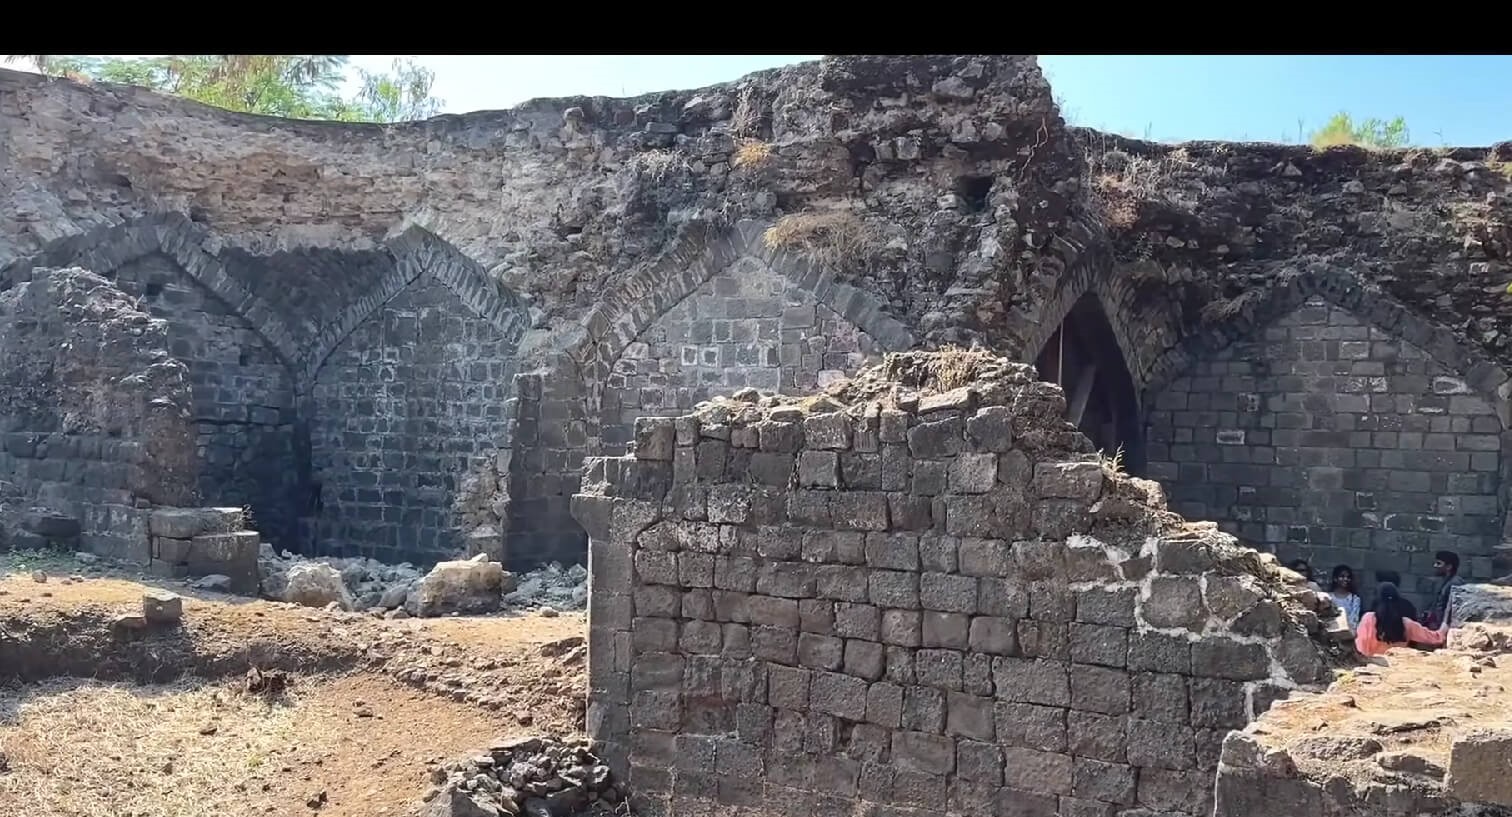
[[636, 256], [918, 590]]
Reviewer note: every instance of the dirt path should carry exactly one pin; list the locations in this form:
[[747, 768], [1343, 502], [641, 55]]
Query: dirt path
[[373, 704]]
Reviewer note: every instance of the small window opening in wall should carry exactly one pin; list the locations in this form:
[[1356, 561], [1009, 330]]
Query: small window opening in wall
[[1083, 358], [154, 289], [974, 191]]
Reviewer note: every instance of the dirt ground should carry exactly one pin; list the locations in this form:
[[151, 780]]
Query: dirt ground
[[372, 705]]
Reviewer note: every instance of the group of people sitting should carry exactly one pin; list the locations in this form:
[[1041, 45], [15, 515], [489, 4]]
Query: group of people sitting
[[1391, 620]]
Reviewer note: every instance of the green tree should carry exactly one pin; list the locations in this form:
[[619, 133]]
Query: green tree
[[297, 86], [1372, 133]]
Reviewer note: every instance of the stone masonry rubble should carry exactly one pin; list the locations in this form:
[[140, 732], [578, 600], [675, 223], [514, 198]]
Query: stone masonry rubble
[[920, 590], [531, 776]]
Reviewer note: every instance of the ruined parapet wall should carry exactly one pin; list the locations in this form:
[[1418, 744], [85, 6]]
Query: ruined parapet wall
[[918, 590], [96, 412], [948, 181], [1209, 237]]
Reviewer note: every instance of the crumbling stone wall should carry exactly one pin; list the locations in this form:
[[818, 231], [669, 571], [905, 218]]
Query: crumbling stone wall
[[97, 416], [918, 590], [1324, 436], [404, 409], [923, 198]]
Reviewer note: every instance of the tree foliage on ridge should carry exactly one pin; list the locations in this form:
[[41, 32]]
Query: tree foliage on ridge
[[296, 86]]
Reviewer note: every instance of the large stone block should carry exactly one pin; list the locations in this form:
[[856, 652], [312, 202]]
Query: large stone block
[[1480, 767]]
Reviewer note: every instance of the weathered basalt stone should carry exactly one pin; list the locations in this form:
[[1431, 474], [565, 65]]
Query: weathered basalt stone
[[962, 653]]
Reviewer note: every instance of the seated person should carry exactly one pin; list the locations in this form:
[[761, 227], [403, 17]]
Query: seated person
[[1388, 625], [1395, 578]]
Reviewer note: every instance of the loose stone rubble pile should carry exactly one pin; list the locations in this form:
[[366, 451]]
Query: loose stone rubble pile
[[538, 776], [476, 585]]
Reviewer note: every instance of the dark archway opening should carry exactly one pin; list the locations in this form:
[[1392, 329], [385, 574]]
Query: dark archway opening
[[1083, 358]]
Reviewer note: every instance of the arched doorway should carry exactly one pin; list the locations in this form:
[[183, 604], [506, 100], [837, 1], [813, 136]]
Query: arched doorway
[[1083, 358]]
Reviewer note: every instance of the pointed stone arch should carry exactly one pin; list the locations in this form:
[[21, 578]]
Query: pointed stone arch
[[105, 250], [417, 251], [1084, 353], [698, 255], [238, 349], [1368, 302]]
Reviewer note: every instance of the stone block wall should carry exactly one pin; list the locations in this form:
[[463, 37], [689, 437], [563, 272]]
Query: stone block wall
[[922, 596], [96, 416], [410, 403], [204, 542], [1325, 437], [745, 327], [551, 438], [243, 394]]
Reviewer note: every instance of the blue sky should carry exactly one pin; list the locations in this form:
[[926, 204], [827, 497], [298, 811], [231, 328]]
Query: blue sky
[[1446, 100], [1454, 100]]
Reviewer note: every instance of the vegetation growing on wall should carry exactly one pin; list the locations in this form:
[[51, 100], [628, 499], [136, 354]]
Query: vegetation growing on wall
[[297, 86], [1369, 133]]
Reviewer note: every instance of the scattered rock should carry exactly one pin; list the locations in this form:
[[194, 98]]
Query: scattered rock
[[39, 577], [314, 584], [1480, 767], [537, 776], [270, 683], [552, 586], [126, 622], [86, 558], [161, 608], [471, 586], [214, 581]]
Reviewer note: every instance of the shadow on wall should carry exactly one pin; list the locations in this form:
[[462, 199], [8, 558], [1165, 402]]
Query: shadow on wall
[[1082, 356]]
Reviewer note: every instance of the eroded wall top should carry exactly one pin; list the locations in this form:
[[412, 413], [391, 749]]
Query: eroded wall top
[[918, 589], [946, 186]]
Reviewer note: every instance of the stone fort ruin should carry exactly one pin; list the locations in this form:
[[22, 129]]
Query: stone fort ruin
[[415, 340]]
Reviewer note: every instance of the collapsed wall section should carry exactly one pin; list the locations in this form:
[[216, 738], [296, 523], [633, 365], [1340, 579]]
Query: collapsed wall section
[[919, 590], [97, 416]]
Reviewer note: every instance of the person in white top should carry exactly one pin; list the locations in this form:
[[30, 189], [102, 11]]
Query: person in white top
[[1341, 589]]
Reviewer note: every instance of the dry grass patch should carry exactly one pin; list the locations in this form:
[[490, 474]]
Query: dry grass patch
[[79, 748], [835, 239], [657, 164], [953, 367], [1221, 310], [751, 153]]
